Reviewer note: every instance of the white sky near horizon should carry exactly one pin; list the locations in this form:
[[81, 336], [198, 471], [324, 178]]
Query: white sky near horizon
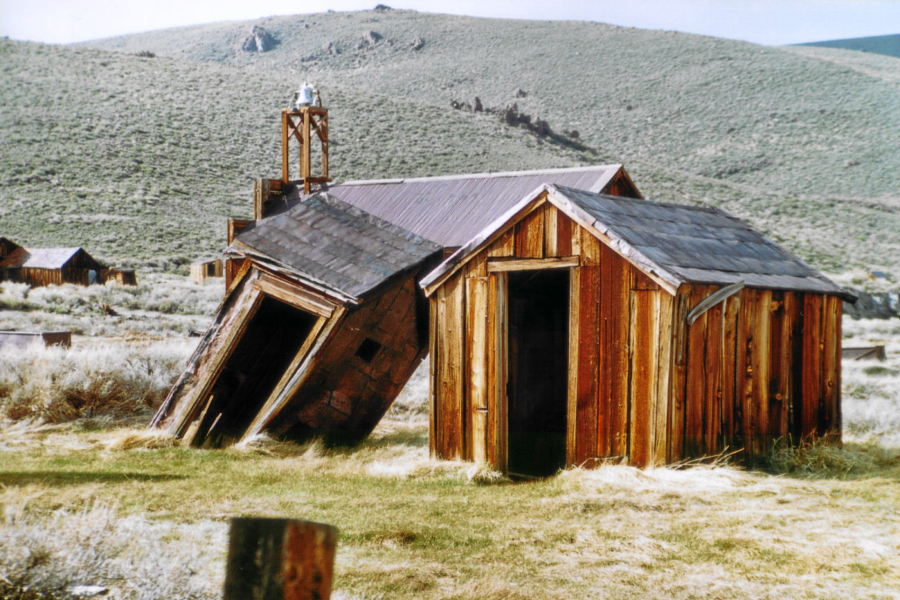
[[771, 22]]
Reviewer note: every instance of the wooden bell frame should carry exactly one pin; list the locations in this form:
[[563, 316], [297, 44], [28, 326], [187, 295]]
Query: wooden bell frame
[[299, 125]]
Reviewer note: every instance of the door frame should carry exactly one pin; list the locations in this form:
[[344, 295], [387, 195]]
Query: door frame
[[498, 344]]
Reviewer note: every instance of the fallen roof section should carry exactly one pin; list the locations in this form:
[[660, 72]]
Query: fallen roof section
[[672, 242], [334, 246]]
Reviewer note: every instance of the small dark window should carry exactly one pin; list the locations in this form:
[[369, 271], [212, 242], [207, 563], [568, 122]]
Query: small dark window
[[368, 349]]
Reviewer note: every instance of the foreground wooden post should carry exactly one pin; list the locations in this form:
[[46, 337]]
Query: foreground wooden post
[[279, 559]]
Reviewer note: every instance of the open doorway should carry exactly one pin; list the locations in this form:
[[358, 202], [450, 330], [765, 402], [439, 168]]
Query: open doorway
[[538, 371], [272, 339]]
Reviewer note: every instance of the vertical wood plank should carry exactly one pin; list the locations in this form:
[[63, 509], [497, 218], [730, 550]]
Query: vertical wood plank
[[615, 291], [434, 426], [730, 319], [694, 445], [530, 235], [744, 379], [587, 418], [812, 365], [551, 214], [285, 163], [451, 356], [829, 412], [780, 365], [574, 347], [795, 411], [590, 248], [504, 246], [664, 342], [712, 409], [499, 369], [760, 366], [492, 361], [476, 363], [676, 422], [643, 368], [564, 228]]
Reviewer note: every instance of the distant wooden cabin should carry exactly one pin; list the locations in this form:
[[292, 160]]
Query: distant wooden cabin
[[319, 330], [7, 247], [580, 326], [45, 266], [204, 269]]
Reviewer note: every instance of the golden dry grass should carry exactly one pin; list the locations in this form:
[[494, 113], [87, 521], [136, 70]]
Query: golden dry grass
[[825, 525]]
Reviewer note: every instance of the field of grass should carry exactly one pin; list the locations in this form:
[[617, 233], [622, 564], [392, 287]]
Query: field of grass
[[819, 522]]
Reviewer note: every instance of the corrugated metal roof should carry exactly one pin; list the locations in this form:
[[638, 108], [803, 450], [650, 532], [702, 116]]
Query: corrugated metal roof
[[335, 244], [677, 243], [39, 258], [700, 244], [451, 210]]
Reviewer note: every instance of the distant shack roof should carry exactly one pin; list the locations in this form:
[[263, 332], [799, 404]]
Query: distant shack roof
[[452, 209], [39, 258], [677, 243], [334, 245]]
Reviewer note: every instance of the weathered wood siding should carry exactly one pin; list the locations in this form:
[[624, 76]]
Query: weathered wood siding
[[343, 378], [347, 390], [608, 350], [759, 369]]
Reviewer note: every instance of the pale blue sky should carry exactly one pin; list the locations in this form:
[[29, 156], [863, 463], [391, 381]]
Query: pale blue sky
[[760, 21]]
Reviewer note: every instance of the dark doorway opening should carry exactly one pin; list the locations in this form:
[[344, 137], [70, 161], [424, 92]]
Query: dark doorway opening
[[272, 339], [538, 371]]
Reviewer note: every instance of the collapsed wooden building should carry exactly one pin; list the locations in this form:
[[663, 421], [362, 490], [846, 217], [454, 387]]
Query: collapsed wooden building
[[47, 266], [347, 346], [319, 331], [572, 321], [581, 326]]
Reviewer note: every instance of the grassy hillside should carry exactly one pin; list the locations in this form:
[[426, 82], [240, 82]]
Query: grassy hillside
[[145, 157], [719, 108], [889, 45]]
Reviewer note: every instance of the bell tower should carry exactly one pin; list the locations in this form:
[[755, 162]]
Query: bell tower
[[305, 117]]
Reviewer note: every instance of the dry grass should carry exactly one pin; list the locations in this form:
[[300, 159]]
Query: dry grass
[[45, 557], [114, 380], [411, 527]]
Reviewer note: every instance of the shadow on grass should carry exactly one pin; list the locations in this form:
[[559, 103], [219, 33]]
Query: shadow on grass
[[64, 478]]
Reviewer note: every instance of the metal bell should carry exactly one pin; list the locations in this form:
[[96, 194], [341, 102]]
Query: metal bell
[[303, 96]]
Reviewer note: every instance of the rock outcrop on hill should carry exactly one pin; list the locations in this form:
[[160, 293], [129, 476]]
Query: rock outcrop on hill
[[259, 40]]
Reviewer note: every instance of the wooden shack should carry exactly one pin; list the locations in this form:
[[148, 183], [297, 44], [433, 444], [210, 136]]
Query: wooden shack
[[580, 326], [45, 266], [317, 334], [204, 269]]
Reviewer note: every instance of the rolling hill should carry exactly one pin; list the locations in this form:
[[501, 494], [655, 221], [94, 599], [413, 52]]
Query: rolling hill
[[145, 157]]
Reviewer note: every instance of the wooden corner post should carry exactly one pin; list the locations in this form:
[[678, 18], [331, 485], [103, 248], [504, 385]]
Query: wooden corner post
[[279, 559], [300, 125]]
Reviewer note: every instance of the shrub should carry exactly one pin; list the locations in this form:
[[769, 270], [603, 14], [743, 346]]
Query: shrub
[[59, 385]]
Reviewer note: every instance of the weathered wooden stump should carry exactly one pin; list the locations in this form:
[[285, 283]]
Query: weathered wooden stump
[[279, 559]]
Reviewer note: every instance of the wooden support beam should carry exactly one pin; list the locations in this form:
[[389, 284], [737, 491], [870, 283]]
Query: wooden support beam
[[279, 559], [294, 295], [496, 265]]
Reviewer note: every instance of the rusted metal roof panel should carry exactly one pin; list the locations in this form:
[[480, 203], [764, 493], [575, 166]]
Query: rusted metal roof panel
[[702, 245], [451, 210], [335, 244]]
